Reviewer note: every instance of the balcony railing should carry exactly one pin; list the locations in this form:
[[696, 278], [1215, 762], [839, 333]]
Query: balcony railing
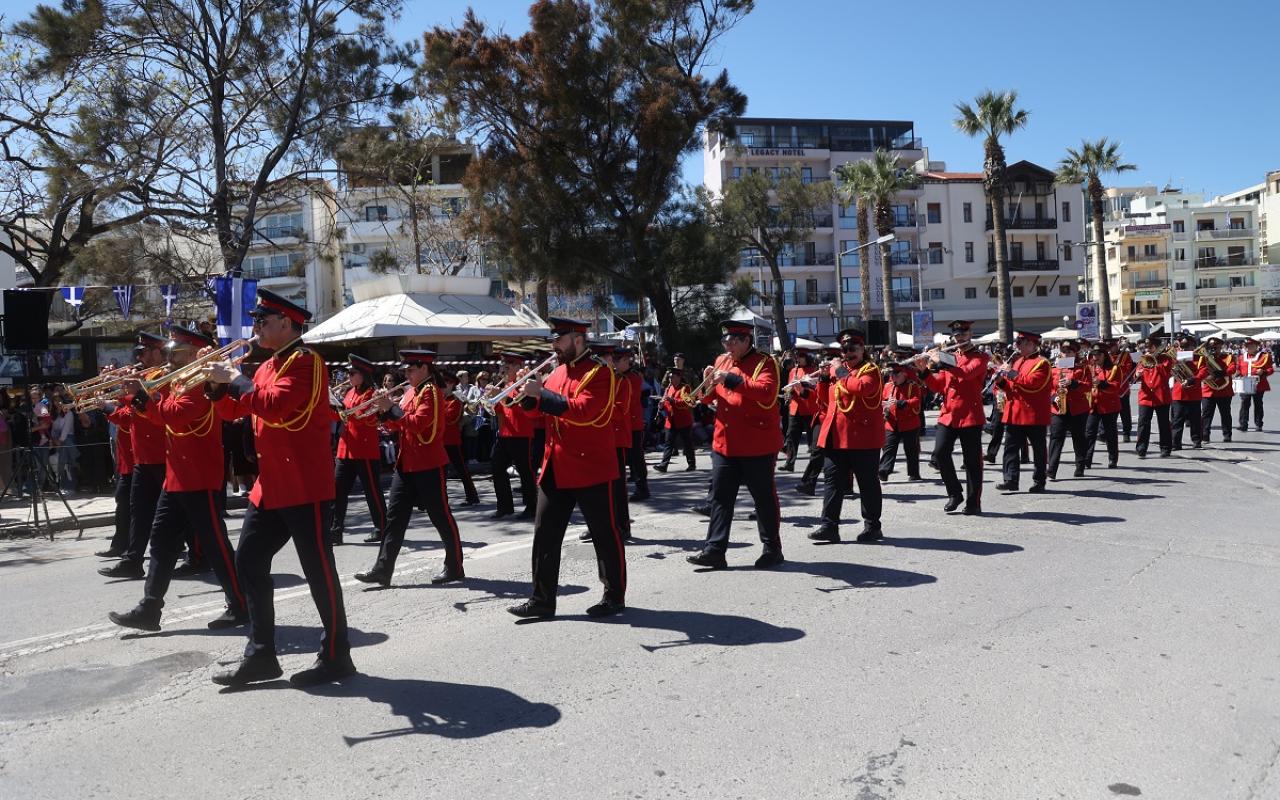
[[1224, 233], [801, 298], [905, 295], [758, 142], [1142, 258], [1154, 284], [279, 233], [277, 271], [1036, 265], [904, 221], [1025, 223], [823, 220], [1229, 261]]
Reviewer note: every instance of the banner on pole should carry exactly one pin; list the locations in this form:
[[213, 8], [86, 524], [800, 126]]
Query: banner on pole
[[1087, 320], [921, 329], [234, 298]]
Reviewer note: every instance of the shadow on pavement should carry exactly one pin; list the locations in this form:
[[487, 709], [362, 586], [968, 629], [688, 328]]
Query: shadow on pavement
[[967, 546], [1065, 517], [857, 576], [700, 627], [1106, 494], [289, 638]]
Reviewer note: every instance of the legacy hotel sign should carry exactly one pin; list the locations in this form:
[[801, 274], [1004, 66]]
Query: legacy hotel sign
[[776, 151]]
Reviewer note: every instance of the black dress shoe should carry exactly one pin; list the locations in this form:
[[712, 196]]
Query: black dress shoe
[[953, 503], [914, 478], [704, 510], [191, 568], [373, 538], [708, 559], [691, 468], [1165, 453], [826, 533], [324, 672], [1226, 439], [806, 489], [585, 536], [639, 497], [990, 459], [447, 575], [884, 477], [334, 540], [1006, 486], [660, 467], [377, 575], [1037, 488], [1079, 473], [529, 609], [140, 617], [1243, 428], [471, 501], [973, 511], [528, 513], [110, 552], [787, 468], [769, 558], [230, 618], [1112, 464], [606, 608], [1126, 438], [499, 514], [251, 669], [870, 535], [124, 569]]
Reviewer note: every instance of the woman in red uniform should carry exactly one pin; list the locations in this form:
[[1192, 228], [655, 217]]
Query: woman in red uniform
[[358, 456]]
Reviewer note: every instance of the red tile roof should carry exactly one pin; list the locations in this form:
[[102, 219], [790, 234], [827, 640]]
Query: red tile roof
[[955, 176]]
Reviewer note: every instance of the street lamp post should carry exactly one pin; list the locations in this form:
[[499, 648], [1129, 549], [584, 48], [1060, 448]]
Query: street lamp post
[[888, 237]]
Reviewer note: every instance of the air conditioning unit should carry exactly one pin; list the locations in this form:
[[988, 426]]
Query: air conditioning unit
[[357, 249]]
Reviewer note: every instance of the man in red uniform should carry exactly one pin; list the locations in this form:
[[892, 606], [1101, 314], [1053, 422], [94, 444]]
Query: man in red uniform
[[1187, 378], [901, 398], [1154, 398], [802, 404], [1121, 355], [962, 416], [453, 437], [419, 480], [147, 438], [808, 484], [677, 410], [851, 437], [359, 457], [1073, 383], [633, 383], [194, 494], [513, 447], [1109, 385], [1254, 362], [124, 482], [1027, 381], [1217, 391], [744, 446], [578, 469], [287, 401], [622, 439]]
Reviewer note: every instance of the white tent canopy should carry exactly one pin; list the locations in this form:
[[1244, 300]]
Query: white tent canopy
[[798, 341], [410, 309], [1059, 334], [1268, 336]]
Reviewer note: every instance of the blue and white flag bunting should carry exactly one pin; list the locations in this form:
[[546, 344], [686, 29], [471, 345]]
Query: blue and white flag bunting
[[169, 291], [234, 299], [124, 296], [74, 295]]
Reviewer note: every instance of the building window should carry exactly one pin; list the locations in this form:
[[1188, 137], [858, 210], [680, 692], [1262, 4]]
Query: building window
[[1180, 286], [1149, 250], [1018, 291], [849, 216], [1180, 254], [1066, 252], [1064, 290], [375, 213], [1237, 224], [806, 326], [851, 294], [968, 212], [851, 256], [934, 210], [1066, 211], [937, 294], [1042, 291], [1178, 226], [935, 252], [970, 293], [992, 292], [1208, 312], [968, 252]]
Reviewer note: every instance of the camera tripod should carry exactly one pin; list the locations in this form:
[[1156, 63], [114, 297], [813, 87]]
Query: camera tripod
[[28, 471]]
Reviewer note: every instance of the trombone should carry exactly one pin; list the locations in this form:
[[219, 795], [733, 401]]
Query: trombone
[[507, 396], [196, 372], [365, 407]]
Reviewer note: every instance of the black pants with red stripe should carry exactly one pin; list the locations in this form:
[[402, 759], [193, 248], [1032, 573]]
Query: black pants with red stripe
[[345, 474], [120, 540], [263, 534], [555, 506], [201, 513], [460, 466], [513, 451], [144, 493], [970, 438], [635, 460], [621, 504], [728, 474], [425, 489]]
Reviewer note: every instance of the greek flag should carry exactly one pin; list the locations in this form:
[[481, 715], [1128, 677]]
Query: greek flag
[[169, 291], [74, 295], [234, 299], [124, 296], [629, 334]]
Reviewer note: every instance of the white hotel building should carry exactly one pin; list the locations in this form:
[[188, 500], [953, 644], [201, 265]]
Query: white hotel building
[[942, 256]]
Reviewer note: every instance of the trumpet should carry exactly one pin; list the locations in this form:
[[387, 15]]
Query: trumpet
[[507, 396], [104, 380], [186, 375], [97, 401], [696, 394], [365, 407]]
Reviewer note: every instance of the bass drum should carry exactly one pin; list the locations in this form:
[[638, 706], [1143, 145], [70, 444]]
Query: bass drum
[[1245, 384]]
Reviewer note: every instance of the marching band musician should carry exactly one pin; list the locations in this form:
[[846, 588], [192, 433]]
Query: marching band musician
[[802, 403], [1070, 410], [1187, 394], [1254, 362], [620, 427], [1217, 392], [808, 484], [675, 406], [147, 436], [512, 448], [193, 497], [578, 469], [851, 438], [1121, 355], [745, 444], [1109, 385], [902, 398], [1027, 381], [124, 483], [1154, 397], [962, 416], [419, 479], [291, 499], [359, 456], [633, 381], [453, 436]]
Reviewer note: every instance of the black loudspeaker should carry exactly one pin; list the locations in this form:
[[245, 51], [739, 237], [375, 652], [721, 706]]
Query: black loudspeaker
[[26, 320], [877, 332]]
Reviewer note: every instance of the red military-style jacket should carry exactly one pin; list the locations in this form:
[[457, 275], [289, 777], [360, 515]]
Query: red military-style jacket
[[902, 405], [675, 401], [1081, 384], [359, 437], [193, 438], [1215, 386], [856, 418], [420, 422], [961, 389], [512, 424], [146, 432], [1260, 366], [124, 445], [452, 420], [621, 419], [804, 399], [1029, 394], [635, 401], [1109, 386], [287, 402], [1153, 383], [748, 420], [822, 393], [1191, 392], [577, 401]]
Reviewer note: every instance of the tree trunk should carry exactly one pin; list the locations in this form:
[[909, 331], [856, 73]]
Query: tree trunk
[[659, 295], [779, 308], [1004, 297], [540, 298], [413, 223], [1103, 293], [864, 263]]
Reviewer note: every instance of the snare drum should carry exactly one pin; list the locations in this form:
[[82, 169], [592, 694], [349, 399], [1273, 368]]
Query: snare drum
[[1245, 384]]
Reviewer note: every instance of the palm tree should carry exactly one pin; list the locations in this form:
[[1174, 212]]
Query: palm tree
[[1087, 165], [851, 192], [992, 115], [882, 178]]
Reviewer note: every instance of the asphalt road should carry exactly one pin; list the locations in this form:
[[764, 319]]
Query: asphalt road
[[1115, 636]]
